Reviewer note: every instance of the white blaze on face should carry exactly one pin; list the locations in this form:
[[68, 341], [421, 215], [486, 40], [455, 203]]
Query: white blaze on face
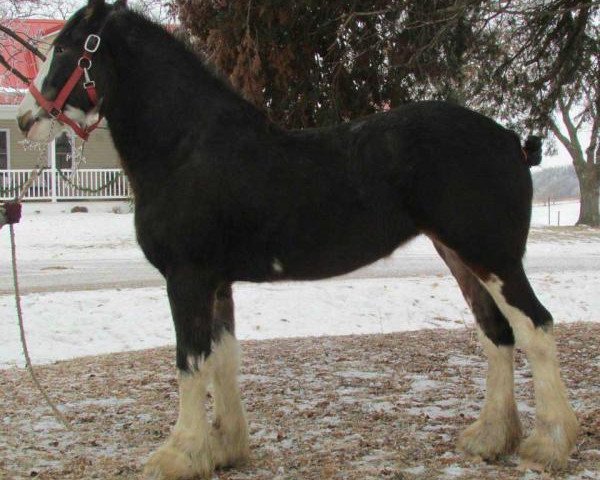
[[40, 130], [44, 129]]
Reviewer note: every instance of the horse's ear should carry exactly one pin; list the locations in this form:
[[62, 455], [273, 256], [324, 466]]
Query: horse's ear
[[120, 4]]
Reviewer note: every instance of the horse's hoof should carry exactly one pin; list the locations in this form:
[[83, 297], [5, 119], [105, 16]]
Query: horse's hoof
[[490, 440], [180, 458], [230, 449], [550, 445]]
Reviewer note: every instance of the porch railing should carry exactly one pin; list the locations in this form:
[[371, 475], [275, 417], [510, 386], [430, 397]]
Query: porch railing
[[54, 185]]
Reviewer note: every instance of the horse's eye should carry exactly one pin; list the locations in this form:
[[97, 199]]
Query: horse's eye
[[58, 49]]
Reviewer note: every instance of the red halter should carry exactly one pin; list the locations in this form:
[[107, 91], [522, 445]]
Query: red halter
[[55, 108]]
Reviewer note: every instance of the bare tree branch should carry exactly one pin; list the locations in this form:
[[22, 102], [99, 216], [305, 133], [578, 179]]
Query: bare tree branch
[[15, 71], [26, 44], [566, 118], [575, 154]]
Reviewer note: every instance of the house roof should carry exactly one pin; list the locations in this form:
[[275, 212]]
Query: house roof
[[11, 87]]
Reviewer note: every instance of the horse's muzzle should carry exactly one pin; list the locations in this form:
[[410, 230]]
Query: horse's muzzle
[[25, 122]]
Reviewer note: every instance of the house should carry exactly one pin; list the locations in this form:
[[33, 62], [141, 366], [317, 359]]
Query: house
[[58, 182]]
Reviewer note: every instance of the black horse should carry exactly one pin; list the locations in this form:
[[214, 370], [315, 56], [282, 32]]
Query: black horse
[[224, 195]]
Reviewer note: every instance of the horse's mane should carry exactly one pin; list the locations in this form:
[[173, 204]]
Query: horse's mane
[[142, 32]]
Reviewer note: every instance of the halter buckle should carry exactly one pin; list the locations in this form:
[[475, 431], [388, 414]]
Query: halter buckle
[[54, 112], [92, 43]]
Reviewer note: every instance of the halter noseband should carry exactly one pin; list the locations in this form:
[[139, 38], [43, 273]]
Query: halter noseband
[[55, 108]]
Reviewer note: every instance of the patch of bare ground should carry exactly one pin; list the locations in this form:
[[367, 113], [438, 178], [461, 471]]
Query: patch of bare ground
[[357, 407]]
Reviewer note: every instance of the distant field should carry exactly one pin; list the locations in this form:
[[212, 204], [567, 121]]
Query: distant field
[[561, 213]]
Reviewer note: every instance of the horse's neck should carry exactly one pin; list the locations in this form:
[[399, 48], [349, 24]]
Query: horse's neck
[[160, 101]]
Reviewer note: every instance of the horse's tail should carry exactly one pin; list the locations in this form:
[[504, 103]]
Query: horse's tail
[[532, 150]]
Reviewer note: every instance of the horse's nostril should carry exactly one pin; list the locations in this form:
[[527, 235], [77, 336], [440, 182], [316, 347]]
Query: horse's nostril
[[25, 121]]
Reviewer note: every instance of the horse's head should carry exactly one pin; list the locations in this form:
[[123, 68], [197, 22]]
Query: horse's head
[[64, 90]]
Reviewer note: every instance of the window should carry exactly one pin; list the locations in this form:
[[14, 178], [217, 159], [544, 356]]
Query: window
[[64, 151], [4, 149]]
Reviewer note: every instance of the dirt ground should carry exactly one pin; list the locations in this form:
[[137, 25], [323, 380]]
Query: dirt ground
[[358, 407]]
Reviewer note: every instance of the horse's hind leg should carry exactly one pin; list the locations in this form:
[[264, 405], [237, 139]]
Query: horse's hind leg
[[230, 429], [188, 452], [556, 425], [498, 429]]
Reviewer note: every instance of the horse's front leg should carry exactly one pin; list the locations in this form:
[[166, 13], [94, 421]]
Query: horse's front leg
[[188, 452], [230, 429]]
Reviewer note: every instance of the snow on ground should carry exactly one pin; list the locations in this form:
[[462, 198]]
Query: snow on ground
[[71, 324], [560, 213], [49, 231], [67, 324]]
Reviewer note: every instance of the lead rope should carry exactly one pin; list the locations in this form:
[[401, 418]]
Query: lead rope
[[55, 411], [57, 414]]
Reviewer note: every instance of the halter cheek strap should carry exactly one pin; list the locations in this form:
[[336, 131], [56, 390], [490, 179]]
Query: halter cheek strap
[[54, 108]]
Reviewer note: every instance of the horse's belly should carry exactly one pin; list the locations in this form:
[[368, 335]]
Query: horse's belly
[[327, 252], [332, 260]]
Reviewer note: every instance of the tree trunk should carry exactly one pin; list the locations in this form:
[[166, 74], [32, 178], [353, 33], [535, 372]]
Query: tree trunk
[[589, 186]]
